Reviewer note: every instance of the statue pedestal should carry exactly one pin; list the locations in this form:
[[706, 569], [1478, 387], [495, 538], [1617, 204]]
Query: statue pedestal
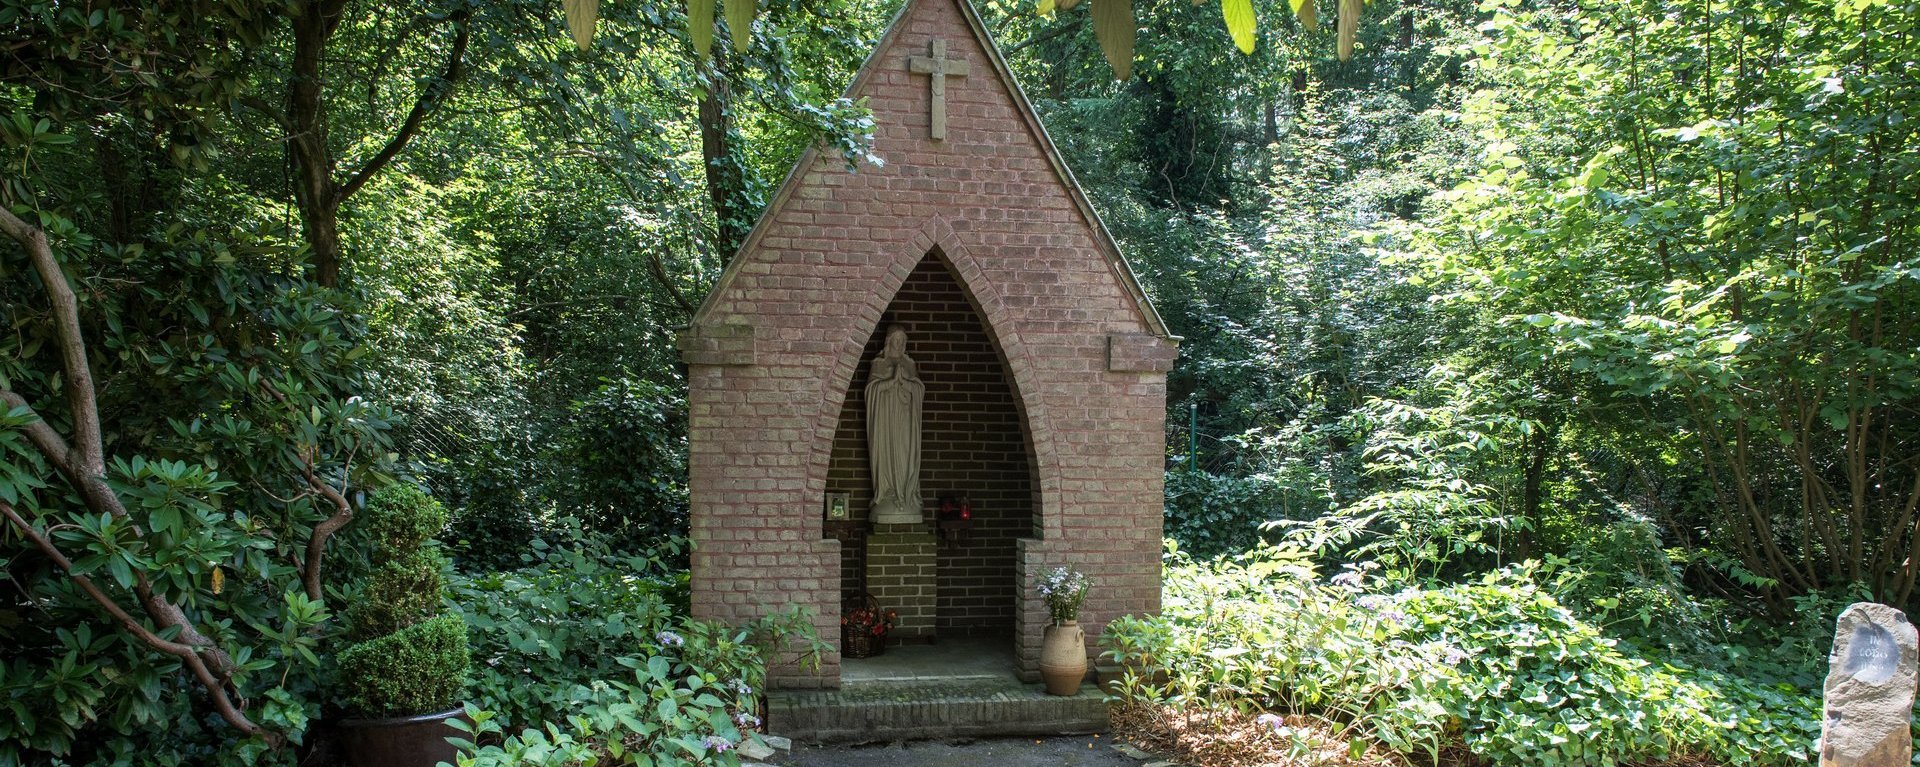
[[900, 576]]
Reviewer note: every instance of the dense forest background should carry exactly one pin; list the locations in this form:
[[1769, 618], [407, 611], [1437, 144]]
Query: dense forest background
[[1627, 289]]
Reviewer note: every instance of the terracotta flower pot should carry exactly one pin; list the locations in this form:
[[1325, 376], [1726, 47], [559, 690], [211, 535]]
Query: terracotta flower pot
[[1063, 658], [403, 741]]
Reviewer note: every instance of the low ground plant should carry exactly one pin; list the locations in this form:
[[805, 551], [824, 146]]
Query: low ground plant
[[584, 656], [1493, 669]]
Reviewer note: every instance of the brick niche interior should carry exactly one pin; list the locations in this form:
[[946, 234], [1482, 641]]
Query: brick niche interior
[[972, 447]]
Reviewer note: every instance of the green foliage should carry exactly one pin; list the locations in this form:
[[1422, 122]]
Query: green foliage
[[406, 657], [583, 651], [1495, 665], [401, 518], [192, 335], [1445, 494], [1215, 514], [625, 450], [1706, 228], [561, 619], [417, 670], [400, 591]]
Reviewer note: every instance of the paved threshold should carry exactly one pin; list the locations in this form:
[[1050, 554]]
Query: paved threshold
[[900, 710], [1086, 751]]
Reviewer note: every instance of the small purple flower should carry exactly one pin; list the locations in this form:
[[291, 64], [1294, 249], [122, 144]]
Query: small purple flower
[[1272, 721], [669, 639], [1455, 655], [746, 720], [741, 686], [1347, 580], [1394, 617], [1369, 602], [717, 744]]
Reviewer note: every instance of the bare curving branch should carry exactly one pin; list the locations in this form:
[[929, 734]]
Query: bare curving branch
[[73, 348], [317, 541], [81, 460]]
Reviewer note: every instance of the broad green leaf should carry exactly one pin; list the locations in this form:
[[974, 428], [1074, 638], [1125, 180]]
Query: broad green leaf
[[740, 22], [700, 26], [1114, 26], [165, 519], [582, 15], [1239, 17]]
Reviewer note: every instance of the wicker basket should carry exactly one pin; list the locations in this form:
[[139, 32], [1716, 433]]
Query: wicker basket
[[861, 642]]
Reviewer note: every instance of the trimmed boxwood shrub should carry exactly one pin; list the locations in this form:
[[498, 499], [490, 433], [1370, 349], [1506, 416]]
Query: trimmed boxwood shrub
[[408, 655], [417, 670]]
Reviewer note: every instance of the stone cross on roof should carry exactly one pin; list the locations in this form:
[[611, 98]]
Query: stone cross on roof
[[939, 67]]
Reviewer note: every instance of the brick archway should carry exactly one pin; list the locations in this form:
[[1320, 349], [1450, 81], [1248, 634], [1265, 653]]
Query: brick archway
[[937, 237]]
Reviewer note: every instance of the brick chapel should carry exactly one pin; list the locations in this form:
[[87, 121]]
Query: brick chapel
[[1043, 364]]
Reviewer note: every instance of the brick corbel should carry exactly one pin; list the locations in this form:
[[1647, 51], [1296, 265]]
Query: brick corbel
[[726, 344], [1140, 353]]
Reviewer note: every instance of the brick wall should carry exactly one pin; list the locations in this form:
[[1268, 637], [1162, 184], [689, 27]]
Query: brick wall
[[902, 573], [775, 350], [973, 446]]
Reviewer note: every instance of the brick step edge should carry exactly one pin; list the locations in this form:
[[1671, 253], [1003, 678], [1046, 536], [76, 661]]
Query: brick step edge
[[811, 720]]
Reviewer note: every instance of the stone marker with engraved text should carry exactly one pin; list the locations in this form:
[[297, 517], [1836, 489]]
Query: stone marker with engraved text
[[1869, 690]]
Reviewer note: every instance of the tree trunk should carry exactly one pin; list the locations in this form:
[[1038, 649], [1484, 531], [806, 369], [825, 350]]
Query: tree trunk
[[726, 183], [317, 190], [314, 189], [1540, 445]]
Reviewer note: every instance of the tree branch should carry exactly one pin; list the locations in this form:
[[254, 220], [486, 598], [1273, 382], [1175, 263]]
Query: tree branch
[[73, 348], [317, 541], [430, 98], [83, 464], [41, 433], [1064, 29], [187, 654], [260, 105]]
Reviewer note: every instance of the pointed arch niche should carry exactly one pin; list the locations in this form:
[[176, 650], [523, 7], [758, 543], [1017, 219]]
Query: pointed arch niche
[[974, 445]]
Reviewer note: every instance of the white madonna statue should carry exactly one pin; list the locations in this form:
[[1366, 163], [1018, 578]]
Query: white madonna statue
[[894, 394]]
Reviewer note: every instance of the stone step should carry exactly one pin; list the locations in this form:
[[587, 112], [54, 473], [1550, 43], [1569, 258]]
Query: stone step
[[909, 710]]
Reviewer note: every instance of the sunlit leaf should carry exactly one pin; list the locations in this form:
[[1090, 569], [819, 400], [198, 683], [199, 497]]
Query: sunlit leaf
[[1114, 27], [1044, 8], [1239, 17], [700, 26], [1309, 14], [740, 21], [582, 15]]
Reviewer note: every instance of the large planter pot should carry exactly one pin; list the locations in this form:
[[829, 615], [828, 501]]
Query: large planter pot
[[1063, 658], [406, 741]]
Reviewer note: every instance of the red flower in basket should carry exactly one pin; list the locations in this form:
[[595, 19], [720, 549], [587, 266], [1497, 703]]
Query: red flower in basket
[[864, 627]]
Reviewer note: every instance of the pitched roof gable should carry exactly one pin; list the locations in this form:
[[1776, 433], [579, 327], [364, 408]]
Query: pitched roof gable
[[1105, 243]]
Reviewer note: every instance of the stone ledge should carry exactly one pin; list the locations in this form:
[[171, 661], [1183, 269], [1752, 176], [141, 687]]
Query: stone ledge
[[716, 345], [893, 711], [1140, 353]]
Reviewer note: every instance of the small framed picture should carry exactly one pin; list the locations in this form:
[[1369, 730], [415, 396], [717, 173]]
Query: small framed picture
[[837, 506]]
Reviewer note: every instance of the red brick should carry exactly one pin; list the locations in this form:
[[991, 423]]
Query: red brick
[[1049, 371]]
